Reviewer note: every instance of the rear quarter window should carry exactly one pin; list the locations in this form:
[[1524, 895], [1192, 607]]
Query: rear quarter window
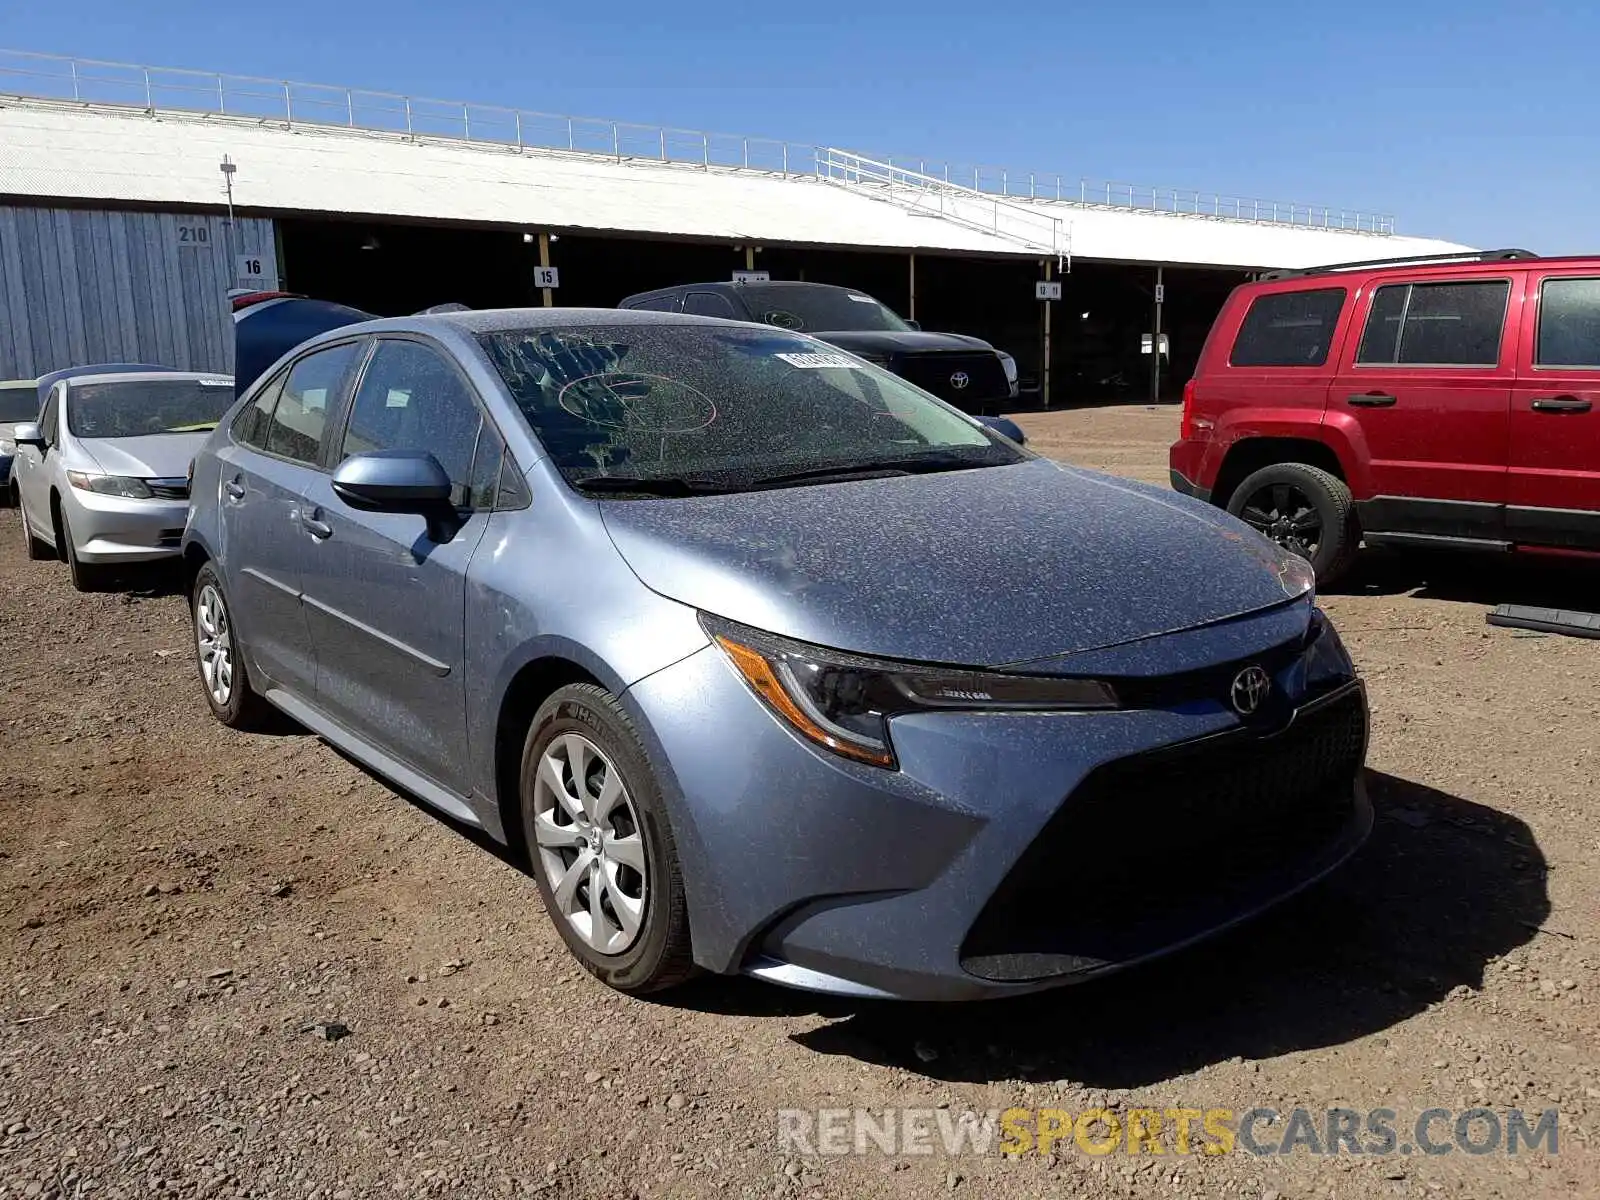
[[1289, 329]]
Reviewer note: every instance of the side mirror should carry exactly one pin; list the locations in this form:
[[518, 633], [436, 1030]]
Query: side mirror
[[916, 326], [1006, 427], [28, 434], [399, 481]]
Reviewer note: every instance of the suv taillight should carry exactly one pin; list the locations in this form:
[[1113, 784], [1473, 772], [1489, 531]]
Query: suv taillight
[[1186, 426]]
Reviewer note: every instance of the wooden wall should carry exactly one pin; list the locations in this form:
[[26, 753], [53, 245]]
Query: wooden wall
[[81, 286]]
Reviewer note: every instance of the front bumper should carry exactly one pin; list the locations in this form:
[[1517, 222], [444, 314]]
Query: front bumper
[[1011, 852], [114, 529]]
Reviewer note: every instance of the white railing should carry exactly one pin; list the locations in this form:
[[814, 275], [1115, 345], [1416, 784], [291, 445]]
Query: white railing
[[26, 74], [1025, 225]]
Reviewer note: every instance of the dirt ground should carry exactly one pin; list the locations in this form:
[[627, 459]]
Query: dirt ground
[[192, 916]]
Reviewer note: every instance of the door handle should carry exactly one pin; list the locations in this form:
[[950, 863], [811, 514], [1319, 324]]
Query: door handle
[[318, 529], [1370, 400], [234, 489], [1561, 404]]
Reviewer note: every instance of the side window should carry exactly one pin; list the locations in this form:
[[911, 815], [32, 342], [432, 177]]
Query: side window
[[411, 398], [1289, 329], [301, 417], [1569, 324], [254, 419], [709, 304], [52, 414], [671, 302], [485, 469], [1436, 324]]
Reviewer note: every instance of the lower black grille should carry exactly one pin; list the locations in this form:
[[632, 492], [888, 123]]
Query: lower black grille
[[171, 537], [1152, 850], [169, 491], [967, 380]]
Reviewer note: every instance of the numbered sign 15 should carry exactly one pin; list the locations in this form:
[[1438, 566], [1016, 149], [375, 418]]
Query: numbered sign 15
[[546, 277]]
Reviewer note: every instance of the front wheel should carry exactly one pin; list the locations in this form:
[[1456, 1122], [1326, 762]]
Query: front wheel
[[1304, 509], [86, 577], [38, 549], [602, 849]]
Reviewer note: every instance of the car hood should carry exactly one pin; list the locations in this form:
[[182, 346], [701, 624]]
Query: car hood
[[987, 567], [157, 456], [885, 341]]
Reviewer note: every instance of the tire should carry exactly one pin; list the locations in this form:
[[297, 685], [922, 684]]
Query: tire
[[1304, 509], [217, 648], [38, 549], [86, 577], [563, 833]]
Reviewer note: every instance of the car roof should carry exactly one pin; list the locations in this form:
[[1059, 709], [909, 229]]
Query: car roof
[[496, 320], [1472, 262], [737, 285], [221, 378]]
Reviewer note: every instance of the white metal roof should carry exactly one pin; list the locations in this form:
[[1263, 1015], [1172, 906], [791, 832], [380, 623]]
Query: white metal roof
[[54, 151]]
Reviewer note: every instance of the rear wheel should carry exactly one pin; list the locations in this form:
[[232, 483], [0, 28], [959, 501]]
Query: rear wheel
[[86, 577], [223, 673], [1304, 509], [602, 849]]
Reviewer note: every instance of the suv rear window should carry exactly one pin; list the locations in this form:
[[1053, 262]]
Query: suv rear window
[[1436, 324], [1288, 329]]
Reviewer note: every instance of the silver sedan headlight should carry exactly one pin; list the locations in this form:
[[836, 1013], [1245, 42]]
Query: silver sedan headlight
[[109, 485]]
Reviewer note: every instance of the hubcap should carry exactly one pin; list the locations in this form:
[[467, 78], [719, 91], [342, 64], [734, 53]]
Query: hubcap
[[214, 638], [589, 844], [1286, 515]]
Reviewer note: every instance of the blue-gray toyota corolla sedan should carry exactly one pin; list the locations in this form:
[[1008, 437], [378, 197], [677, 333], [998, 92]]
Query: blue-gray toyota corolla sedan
[[774, 663]]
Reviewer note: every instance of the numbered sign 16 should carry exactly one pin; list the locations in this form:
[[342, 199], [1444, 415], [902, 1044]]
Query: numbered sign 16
[[252, 266]]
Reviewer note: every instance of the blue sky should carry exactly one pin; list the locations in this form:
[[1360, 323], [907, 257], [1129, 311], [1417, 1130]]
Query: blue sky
[[1470, 119]]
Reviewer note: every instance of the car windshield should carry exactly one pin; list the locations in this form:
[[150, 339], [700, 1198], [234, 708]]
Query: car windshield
[[137, 407], [633, 407], [18, 403], [818, 309]]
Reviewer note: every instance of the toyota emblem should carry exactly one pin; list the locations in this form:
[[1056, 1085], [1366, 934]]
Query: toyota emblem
[[959, 381], [1250, 688]]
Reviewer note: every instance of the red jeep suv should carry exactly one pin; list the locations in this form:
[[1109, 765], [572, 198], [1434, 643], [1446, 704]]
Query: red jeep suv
[[1445, 401]]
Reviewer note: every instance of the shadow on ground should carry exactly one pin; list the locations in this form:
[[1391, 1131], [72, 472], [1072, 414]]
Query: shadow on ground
[[1475, 579], [1443, 887]]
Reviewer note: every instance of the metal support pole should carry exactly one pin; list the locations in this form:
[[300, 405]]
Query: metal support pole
[[749, 258], [76, 95], [911, 287], [1155, 342], [544, 261], [1044, 369]]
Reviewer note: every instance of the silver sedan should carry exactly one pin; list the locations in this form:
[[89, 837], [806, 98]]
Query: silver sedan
[[102, 478]]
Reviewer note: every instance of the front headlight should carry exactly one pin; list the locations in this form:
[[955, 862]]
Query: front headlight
[[1327, 662], [877, 360], [844, 701], [109, 485], [7, 446], [1010, 365]]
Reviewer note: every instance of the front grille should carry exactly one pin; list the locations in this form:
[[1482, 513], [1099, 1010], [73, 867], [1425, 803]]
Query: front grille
[[168, 489], [170, 537], [1154, 849], [986, 378]]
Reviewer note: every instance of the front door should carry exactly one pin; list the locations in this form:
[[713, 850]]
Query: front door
[[385, 599], [1426, 389], [31, 469], [1554, 496], [274, 453]]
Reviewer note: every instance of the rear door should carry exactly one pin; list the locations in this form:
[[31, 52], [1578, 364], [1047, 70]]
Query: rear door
[[274, 453], [1554, 482], [385, 601], [1423, 396]]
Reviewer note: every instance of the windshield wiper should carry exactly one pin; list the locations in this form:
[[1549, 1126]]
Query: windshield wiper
[[881, 468], [667, 485]]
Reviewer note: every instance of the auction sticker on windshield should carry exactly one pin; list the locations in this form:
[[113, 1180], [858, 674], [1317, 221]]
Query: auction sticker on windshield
[[816, 359]]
